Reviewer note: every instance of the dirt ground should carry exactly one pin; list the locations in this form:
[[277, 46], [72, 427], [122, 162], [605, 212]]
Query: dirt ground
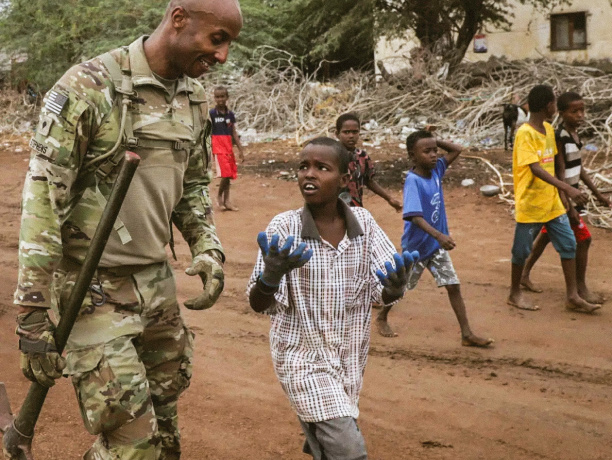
[[543, 392]]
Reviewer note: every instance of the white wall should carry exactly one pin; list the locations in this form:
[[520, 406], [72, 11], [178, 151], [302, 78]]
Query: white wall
[[529, 37]]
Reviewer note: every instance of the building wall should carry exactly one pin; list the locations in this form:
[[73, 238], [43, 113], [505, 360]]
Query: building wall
[[529, 37]]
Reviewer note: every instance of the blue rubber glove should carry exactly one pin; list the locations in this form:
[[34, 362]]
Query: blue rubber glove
[[396, 278], [279, 262]]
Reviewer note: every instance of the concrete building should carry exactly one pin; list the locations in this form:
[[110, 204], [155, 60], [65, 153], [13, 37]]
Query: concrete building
[[578, 32]]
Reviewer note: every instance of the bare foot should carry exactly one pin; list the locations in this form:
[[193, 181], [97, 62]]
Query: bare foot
[[521, 304], [529, 286], [384, 329], [229, 207], [592, 297], [221, 206], [581, 306], [475, 341]]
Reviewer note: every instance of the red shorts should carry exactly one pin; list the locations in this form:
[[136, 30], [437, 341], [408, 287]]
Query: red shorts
[[581, 231], [226, 165]]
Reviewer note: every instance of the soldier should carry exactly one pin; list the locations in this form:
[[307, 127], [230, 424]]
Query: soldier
[[129, 354]]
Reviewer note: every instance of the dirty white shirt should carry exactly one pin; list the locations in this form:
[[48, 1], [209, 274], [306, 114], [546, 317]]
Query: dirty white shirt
[[320, 323]]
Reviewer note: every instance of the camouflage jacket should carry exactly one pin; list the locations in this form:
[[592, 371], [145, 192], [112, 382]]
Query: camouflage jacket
[[63, 198]]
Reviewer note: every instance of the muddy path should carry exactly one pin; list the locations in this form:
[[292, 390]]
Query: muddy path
[[543, 392]]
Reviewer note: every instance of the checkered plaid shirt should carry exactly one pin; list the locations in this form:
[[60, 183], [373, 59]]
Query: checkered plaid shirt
[[320, 323]]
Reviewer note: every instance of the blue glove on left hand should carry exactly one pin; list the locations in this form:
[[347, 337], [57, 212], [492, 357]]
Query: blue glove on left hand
[[396, 279], [279, 262]]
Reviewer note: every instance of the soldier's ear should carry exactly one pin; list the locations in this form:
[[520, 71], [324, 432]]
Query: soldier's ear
[[178, 17]]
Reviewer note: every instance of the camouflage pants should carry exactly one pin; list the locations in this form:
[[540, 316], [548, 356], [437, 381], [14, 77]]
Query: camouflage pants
[[129, 357]]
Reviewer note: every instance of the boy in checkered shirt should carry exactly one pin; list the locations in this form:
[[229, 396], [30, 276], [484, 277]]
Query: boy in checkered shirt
[[319, 299]]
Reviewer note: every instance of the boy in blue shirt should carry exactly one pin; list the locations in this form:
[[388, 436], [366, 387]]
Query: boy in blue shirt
[[426, 229]]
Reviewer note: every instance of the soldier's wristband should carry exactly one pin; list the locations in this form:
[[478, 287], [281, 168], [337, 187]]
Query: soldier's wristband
[[36, 346]]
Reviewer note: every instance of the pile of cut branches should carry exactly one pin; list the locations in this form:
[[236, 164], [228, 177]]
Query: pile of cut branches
[[279, 100], [17, 113]]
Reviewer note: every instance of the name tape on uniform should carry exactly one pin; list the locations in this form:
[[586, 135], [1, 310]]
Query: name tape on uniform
[[45, 150]]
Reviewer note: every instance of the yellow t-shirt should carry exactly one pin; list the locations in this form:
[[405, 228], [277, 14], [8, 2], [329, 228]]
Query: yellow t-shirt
[[535, 200]]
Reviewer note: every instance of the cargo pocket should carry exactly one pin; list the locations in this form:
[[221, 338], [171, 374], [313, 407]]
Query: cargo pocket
[[186, 364], [110, 383]]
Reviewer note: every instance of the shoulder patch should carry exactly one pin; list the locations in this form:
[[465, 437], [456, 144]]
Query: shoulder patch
[[55, 102]]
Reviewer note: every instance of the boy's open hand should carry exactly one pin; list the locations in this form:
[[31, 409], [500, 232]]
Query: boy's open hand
[[396, 279], [279, 262]]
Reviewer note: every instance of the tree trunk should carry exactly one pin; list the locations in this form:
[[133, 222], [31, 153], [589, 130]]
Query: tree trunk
[[470, 26]]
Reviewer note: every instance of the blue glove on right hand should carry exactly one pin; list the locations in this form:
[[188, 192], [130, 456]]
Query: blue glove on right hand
[[396, 279], [280, 262]]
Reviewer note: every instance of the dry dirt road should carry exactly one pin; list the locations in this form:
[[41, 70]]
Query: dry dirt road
[[543, 392]]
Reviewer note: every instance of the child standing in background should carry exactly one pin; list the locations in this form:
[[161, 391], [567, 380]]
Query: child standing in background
[[224, 136], [361, 167]]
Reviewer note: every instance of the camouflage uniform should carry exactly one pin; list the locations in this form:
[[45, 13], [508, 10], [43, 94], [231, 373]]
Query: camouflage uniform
[[129, 354]]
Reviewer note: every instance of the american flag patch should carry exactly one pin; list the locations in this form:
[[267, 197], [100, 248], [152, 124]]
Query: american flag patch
[[55, 102]]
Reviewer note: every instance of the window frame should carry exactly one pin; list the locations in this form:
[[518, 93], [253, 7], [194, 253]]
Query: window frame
[[571, 21]]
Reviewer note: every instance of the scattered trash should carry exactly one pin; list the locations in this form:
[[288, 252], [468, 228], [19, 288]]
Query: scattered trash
[[370, 125], [488, 141], [403, 121], [467, 182], [490, 190], [591, 148]]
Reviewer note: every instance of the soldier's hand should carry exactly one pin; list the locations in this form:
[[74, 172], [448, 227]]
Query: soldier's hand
[[279, 262], [209, 266], [40, 362]]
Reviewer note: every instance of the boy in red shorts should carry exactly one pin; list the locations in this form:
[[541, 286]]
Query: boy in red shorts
[[224, 136], [571, 109]]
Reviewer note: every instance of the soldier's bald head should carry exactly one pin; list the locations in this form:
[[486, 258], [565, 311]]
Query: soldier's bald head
[[207, 7], [193, 36]]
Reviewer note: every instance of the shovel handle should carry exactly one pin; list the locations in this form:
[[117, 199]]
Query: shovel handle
[[22, 429]]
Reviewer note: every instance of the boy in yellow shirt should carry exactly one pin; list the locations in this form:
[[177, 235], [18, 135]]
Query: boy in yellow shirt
[[537, 201]]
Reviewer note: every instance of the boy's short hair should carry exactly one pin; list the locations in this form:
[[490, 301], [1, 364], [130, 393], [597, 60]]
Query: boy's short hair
[[221, 88], [416, 136], [346, 117], [341, 152], [566, 99], [539, 97]]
